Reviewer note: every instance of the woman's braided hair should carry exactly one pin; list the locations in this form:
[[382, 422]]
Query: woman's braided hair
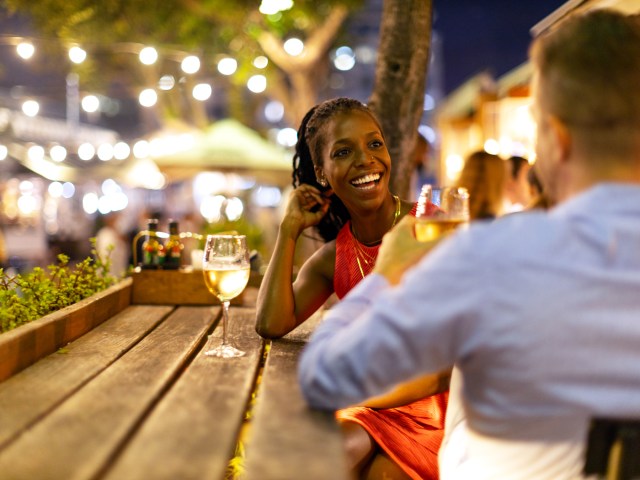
[[308, 154]]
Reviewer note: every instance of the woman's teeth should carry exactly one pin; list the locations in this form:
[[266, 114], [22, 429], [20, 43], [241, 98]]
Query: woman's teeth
[[367, 181]]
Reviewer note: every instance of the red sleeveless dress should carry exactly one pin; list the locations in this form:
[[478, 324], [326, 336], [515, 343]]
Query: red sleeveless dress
[[411, 435]]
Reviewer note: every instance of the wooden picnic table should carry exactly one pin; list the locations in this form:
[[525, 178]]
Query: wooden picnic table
[[136, 398]]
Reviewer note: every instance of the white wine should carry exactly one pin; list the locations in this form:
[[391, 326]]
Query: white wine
[[226, 284], [428, 229]]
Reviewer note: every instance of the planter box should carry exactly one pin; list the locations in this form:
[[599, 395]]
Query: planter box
[[173, 287], [28, 343]]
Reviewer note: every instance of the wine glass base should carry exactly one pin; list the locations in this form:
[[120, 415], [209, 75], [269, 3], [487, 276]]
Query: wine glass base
[[224, 351]]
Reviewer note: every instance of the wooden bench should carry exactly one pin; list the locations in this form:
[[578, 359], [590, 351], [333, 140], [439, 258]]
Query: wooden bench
[[135, 398]]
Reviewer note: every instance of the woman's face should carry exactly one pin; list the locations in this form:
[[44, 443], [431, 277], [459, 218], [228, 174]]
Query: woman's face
[[356, 162]]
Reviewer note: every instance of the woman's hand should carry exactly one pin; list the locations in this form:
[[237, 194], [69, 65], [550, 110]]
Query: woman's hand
[[305, 208]]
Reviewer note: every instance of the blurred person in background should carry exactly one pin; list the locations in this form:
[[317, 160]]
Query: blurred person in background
[[538, 197], [484, 175], [111, 243], [517, 187]]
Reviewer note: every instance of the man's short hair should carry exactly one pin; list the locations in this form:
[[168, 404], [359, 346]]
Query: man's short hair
[[593, 65]]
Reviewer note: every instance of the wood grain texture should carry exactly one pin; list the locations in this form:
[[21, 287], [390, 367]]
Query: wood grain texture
[[287, 440], [28, 343], [192, 433], [137, 399], [30, 394], [81, 436]]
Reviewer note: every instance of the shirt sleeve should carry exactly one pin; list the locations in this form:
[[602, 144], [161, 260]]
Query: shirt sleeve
[[380, 335]]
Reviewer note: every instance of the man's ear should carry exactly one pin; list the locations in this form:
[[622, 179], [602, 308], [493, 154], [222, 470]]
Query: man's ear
[[561, 137]]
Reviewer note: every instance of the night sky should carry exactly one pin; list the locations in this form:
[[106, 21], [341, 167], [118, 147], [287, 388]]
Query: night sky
[[491, 35]]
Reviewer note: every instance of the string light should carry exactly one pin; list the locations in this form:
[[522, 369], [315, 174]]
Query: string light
[[91, 149], [227, 66], [148, 56], [190, 64], [25, 50], [294, 46], [77, 54]]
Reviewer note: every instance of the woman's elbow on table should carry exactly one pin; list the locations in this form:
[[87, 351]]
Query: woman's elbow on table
[[267, 331]]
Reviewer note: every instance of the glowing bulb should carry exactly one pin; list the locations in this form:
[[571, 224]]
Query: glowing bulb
[[293, 46], [141, 149], [190, 64], [58, 153], [271, 7], [121, 150], [227, 66], [25, 50], [148, 97], [148, 55], [77, 54], [90, 103], [35, 152], [202, 91], [30, 108], [86, 151], [260, 62], [257, 83]]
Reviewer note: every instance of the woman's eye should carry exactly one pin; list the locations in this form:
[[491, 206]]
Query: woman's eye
[[376, 144], [341, 153]]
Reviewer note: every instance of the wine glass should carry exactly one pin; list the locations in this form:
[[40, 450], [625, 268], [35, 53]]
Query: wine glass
[[225, 267], [440, 210]]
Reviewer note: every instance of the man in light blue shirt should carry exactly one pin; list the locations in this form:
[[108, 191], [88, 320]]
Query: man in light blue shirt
[[539, 311]]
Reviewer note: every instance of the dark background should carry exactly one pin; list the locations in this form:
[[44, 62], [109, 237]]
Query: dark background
[[491, 35]]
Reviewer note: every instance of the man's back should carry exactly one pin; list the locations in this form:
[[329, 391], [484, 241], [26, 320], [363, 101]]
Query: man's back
[[567, 314], [556, 341]]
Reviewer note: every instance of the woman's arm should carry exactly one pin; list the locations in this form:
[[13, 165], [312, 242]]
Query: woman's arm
[[283, 305], [411, 391]]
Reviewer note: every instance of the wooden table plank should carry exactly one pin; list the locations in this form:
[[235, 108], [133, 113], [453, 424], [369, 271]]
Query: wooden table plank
[[192, 432], [79, 438], [287, 440], [30, 394]]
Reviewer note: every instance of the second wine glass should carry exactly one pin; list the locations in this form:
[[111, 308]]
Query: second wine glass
[[226, 273], [440, 210]]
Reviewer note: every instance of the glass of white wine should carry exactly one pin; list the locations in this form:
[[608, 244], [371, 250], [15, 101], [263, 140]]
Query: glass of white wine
[[440, 210], [226, 273]]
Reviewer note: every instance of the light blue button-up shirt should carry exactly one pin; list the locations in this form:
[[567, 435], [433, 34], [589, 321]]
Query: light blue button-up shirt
[[539, 310]]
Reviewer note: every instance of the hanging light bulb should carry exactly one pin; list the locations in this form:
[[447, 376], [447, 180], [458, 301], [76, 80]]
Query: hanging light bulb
[[25, 50]]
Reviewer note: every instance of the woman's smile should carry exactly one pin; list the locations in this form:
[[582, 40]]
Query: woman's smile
[[366, 182]]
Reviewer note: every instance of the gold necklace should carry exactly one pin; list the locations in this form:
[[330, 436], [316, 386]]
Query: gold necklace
[[359, 251]]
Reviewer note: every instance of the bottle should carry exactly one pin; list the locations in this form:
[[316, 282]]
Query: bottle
[[173, 248], [152, 249]]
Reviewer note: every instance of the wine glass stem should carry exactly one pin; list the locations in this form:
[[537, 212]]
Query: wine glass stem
[[225, 321]]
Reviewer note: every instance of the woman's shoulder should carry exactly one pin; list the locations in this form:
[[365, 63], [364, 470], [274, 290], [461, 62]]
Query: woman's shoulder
[[323, 260]]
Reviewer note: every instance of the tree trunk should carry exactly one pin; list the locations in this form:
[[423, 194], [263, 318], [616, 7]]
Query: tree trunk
[[401, 71]]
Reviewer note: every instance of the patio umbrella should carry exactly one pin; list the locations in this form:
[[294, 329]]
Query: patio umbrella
[[226, 145]]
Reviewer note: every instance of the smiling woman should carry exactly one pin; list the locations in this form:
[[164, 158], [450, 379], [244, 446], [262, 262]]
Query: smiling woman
[[341, 178]]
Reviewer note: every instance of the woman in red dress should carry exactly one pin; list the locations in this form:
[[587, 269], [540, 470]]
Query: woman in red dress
[[341, 178]]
